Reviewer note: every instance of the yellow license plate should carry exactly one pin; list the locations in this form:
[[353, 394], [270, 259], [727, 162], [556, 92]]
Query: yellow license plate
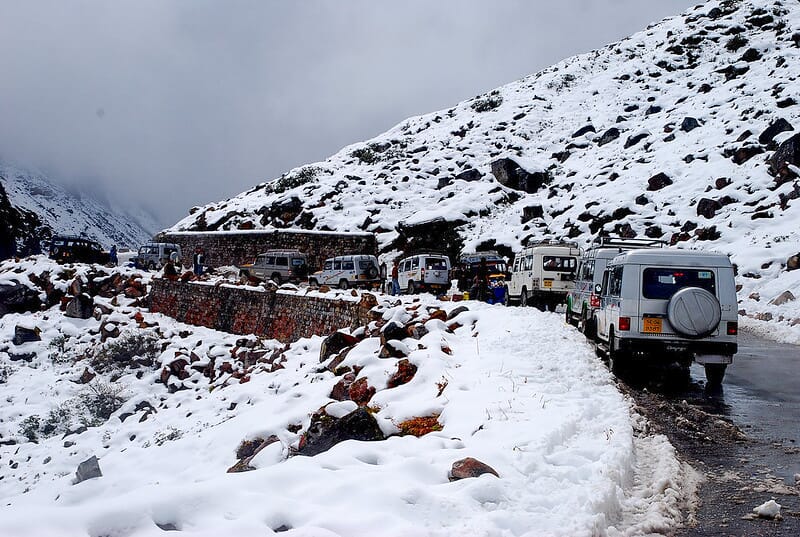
[[548, 283], [651, 325]]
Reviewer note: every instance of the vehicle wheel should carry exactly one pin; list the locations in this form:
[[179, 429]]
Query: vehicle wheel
[[617, 361], [372, 273], [411, 289], [276, 278], [523, 298], [343, 284], [588, 326], [714, 375]]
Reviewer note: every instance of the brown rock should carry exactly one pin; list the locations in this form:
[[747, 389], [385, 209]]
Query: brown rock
[[439, 314], [470, 467], [754, 296], [764, 316], [341, 390], [86, 376], [334, 344], [782, 298], [361, 392], [405, 372], [133, 292]]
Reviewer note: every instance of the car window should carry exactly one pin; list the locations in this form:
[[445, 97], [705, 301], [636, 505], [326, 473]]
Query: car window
[[662, 283], [298, 261], [415, 263], [337, 264], [528, 264], [269, 260], [328, 265], [282, 261], [364, 265], [435, 263], [615, 281], [559, 263], [260, 260], [406, 265], [348, 265]]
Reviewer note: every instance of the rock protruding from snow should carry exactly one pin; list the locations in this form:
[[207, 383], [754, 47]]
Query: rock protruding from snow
[[88, 469], [469, 467], [326, 431]]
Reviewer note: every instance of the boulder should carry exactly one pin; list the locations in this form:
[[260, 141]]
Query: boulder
[[324, 432], [456, 312], [360, 392], [609, 136], [80, 307], [658, 181], [793, 263], [469, 175], [23, 334], [88, 469], [689, 124], [18, 298], [635, 139], [334, 344], [392, 331], [586, 129], [405, 372], [510, 174], [247, 450], [529, 213], [708, 207], [788, 153], [470, 467], [341, 390], [782, 298]]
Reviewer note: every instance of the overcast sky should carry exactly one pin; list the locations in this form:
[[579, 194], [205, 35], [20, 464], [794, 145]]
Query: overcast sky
[[178, 103]]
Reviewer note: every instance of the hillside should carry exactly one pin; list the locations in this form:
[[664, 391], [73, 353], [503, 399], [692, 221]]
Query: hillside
[[41, 208], [673, 133]]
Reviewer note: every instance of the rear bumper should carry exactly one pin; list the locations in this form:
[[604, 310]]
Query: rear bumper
[[654, 346]]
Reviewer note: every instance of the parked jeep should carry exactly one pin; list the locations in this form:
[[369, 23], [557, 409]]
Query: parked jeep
[[153, 255], [347, 271], [424, 272], [543, 274], [671, 306], [582, 300], [276, 265], [72, 249]]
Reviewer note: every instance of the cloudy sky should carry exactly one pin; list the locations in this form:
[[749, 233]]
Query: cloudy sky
[[178, 103]]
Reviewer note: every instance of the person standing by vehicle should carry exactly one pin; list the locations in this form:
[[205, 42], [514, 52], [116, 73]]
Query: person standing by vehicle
[[481, 280], [395, 282], [112, 255], [198, 260]]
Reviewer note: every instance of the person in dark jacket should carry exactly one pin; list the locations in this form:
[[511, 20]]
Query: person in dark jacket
[[112, 255], [198, 261]]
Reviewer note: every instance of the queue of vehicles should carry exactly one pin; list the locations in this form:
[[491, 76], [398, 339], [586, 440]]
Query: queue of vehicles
[[633, 298]]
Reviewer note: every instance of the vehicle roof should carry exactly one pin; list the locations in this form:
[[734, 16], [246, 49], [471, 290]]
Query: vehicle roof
[[672, 257], [287, 252], [552, 249], [475, 257], [351, 256], [153, 243], [71, 238], [425, 255]]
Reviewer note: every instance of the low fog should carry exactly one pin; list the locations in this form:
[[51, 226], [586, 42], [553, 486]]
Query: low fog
[[168, 105]]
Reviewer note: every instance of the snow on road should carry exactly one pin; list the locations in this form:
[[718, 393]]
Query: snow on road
[[520, 391]]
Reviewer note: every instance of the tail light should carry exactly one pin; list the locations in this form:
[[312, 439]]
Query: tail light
[[422, 274], [733, 328], [594, 301], [624, 323]]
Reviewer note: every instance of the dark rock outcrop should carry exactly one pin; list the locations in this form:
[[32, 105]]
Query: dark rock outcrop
[[324, 432], [510, 174]]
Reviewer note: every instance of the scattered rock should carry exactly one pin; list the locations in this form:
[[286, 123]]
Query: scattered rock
[[25, 335], [770, 510], [247, 450], [510, 174], [787, 154], [689, 124], [470, 467], [324, 432], [80, 307], [392, 331], [341, 390], [707, 207], [782, 298], [361, 392], [658, 181], [335, 343], [405, 372], [609, 136], [456, 312], [88, 469], [18, 298], [469, 175], [793, 263]]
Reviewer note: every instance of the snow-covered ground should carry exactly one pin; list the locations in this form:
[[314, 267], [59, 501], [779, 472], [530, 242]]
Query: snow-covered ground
[[514, 388]]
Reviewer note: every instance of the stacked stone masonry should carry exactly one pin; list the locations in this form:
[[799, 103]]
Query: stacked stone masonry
[[236, 248], [283, 316]]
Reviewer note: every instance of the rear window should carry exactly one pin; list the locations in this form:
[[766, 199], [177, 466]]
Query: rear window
[[282, 261], [298, 261], [435, 263], [364, 265], [662, 283], [559, 264]]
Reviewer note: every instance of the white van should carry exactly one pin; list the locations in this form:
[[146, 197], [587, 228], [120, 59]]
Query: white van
[[543, 274], [668, 304], [424, 272], [153, 255], [347, 271]]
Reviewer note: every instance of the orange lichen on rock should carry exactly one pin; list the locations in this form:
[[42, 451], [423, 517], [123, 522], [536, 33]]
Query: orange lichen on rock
[[420, 425]]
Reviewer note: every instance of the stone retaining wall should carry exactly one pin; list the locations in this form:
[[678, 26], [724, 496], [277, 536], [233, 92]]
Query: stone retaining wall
[[238, 247], [284, 316]]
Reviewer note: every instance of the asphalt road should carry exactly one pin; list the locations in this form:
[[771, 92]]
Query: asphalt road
[[745, 440]]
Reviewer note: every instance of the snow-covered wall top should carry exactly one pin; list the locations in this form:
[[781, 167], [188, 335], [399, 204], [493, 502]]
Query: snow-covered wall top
[[664, 134], [68, 213]]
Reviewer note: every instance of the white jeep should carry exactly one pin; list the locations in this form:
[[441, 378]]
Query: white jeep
[[669, 305]]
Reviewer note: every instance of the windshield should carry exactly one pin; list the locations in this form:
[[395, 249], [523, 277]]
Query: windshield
[[435, 263]]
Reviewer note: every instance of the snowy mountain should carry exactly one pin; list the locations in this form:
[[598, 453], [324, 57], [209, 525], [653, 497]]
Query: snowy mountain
[[51, 208], [685, 132]]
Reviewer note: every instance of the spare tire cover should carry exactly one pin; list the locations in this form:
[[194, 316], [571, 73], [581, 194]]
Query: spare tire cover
[[694, 312]]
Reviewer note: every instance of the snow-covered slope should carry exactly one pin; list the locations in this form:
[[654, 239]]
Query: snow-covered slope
[[62, 211], [661, 134]]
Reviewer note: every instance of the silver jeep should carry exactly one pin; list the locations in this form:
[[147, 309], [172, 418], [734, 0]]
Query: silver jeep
[[669, 305]]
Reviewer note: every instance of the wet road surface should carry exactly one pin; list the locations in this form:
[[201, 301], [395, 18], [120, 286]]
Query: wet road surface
[[744, 439]]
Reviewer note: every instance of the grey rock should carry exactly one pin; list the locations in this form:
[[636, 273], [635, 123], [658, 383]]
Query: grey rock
[[88, 469]]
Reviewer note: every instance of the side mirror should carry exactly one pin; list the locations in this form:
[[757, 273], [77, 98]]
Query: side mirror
[[598, 288]]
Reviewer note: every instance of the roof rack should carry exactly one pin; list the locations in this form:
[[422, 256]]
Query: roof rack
[[621, 242], [552, 242]]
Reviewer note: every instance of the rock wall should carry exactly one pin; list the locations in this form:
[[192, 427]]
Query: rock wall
[[238, 247], [284, 316]]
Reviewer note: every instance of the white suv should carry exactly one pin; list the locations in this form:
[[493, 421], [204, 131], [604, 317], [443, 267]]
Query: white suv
[[348, 271], [543, 274], [669, 305]]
